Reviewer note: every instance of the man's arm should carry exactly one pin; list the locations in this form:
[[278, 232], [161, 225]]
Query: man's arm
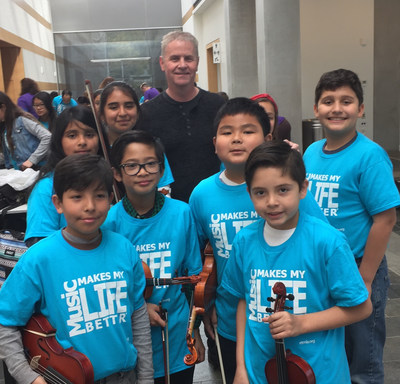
[[375, 247]]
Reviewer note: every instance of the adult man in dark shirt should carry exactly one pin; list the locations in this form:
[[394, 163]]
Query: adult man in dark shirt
[[182, 116]]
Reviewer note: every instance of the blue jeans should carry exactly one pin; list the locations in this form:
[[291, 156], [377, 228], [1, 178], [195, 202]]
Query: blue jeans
[[365, 340]]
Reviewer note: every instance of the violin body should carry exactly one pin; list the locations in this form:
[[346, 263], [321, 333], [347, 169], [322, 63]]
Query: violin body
[[298, 370], [204, 292], [48, 358], [286, 367]]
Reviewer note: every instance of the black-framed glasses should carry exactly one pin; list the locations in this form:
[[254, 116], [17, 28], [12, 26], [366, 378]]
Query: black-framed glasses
[[132, 169], [38, 106]]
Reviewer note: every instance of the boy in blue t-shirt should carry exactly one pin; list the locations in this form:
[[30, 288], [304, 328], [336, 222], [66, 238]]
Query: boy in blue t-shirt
[[222, 207], [164, 234], [88, 284], [309, 256], [351, 178]]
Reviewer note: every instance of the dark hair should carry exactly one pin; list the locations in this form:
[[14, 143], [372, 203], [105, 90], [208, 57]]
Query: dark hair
[[66, 92], [246, 106], [53, 94], [97, 92], [11, 113], [330, 81], [83, 100], [136, 136], [29, 86], [81, 171], [124, 88], [277, 154], [56, 152], [46, 99]]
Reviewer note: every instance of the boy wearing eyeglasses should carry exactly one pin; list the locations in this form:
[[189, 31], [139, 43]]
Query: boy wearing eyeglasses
[[164, 235]]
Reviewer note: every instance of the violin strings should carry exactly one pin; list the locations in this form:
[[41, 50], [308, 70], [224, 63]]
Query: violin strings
[[48, 375]]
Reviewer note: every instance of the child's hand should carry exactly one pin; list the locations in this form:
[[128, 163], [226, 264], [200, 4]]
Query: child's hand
[[201, 351], [210, 321], [293, 145], [39, 380], [283, 324], [154, 315]]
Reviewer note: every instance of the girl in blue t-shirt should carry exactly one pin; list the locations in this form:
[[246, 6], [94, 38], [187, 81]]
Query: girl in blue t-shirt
[[74, 132]]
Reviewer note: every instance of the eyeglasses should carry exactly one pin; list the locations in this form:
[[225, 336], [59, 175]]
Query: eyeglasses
[[38, 105], [132, 169]]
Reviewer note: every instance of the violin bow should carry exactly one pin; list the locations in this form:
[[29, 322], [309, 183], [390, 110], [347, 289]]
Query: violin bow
[[89, 90], [165, 341], [221, 363]]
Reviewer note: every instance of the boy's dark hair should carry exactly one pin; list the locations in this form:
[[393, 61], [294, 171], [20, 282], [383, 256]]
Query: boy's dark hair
[[246, 106], [79, 171], [277, 154], [136, 136], [333, 80], [66, 92]]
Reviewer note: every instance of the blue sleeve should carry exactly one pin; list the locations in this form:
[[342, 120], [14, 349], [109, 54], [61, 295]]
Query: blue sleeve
[[167, 177], [311, 207], [232, 279], [195, 203], [193, 257]]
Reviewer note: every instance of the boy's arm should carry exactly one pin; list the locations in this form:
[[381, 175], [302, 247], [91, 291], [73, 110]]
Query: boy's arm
[[12, 353], [284, 324], [241, 373], [142, 342], [375, 247]]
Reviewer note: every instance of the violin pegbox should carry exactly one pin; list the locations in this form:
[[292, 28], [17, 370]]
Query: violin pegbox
[[281, 296]]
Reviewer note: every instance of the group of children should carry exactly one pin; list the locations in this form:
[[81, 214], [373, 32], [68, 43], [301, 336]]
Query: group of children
[[264, 225]]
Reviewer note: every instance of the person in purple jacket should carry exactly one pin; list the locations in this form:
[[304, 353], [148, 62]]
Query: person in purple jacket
[[29, 88]]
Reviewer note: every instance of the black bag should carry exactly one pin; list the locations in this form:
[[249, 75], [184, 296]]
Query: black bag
[[12, 247], [10, 198]]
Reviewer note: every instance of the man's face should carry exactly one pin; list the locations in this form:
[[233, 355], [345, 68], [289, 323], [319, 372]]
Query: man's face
[[179, 63], [66, 99]]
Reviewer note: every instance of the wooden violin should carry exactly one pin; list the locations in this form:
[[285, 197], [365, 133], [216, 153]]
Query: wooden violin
[[204, 297], [49, 359], [152, 282], [285, 367]]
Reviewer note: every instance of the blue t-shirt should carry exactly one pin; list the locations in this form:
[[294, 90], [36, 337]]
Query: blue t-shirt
[[87, 296], [167, 243], [317, 267], [351, 186], [42, 218], [59, 105], [220, 212], [167, 178]]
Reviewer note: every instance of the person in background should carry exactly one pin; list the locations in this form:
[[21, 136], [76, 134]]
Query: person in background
[[64, 101], [46, 114], [107, 80], [24, 140], [83, 100], [148, 92], [182, 116], [29, 88], [96, 100], [281, 128]]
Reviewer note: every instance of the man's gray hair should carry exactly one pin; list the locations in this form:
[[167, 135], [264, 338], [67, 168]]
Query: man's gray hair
[[179, 35]]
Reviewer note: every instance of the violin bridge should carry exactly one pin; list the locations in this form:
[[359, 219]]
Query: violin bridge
[[34, 364]]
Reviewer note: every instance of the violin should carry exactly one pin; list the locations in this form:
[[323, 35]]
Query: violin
[[286, 367], [49, 359], [152, 282], [204, 297]]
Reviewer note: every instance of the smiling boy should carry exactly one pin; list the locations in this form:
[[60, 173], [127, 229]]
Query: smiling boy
[[87, 282], [164, 234], [351, 178], [309, 256]]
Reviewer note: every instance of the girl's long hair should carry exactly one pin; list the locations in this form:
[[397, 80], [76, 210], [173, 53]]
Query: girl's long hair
[[45, 98], [11, 113]]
